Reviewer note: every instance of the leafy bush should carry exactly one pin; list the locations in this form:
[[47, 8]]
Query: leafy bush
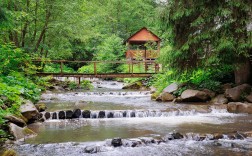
[[72, 85], [15, 82], [86, 84], [55, 68], [89, 69], [14, 59]]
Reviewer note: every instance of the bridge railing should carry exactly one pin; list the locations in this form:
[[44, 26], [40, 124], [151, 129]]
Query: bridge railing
[[95, 67]]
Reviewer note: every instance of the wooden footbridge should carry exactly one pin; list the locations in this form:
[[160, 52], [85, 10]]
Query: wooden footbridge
[[132, 69]]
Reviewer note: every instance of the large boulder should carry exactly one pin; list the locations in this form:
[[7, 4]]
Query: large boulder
[[29, 111], [249, 97], [190, 95], [239, 107], [209, 92], [15, 120], [19, 132], [220, 99], [171, 88], [166, 97], [235, 94]]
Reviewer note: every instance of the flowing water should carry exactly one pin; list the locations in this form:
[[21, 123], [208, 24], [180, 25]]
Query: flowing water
[[131, 114]]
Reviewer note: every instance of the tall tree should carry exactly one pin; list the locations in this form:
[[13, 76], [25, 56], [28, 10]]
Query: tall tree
[[206, 33]]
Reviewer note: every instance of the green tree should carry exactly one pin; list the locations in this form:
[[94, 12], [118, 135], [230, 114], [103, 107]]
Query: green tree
[[207, 33]]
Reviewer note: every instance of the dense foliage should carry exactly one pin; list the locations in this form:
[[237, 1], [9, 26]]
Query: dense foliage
[[207, 39], [207, 33], [15, 84]]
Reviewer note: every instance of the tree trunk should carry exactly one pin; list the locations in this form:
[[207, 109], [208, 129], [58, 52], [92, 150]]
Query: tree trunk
[[24, 31], [48, 14]]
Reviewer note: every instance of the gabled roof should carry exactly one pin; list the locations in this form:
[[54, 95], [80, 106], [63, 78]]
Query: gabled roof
[[143, 35]]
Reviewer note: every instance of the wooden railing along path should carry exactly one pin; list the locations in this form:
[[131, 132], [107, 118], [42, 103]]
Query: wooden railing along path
[[135, 69]]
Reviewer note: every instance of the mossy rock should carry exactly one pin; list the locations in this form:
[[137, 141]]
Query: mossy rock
[[28, 131], [154, 96], [9, 152], [134, 85], [41, 107]]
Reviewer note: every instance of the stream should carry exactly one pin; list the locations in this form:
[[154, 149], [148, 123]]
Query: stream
[[130, 114]]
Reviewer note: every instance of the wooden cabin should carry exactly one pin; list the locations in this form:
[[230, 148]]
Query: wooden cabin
[[143, 45]]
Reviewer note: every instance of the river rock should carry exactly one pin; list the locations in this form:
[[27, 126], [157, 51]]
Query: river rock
[[19, 132], [124, 114], [220, 99], [101, 114], [234, 94], [15, 120], [249, 98], [239, 107], [225, 86], [62, 115], [29, 111], [76, 113], [40, 107], [116, 142], [173, 136], [132, 114], [69, 114], [209, 92], [171, 88], [47, 115], [248, 134], [135, 85], [86, 113], [178, 99], [190, 95], [91, 149], [110, 115], [155, 96], [57, 88], [54, 115], [165, 96], [147, 140]]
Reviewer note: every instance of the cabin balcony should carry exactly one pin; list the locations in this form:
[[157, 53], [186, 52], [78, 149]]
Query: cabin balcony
[[142, 54]]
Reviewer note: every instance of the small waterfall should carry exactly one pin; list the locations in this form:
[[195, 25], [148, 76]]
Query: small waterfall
[[69, 114]]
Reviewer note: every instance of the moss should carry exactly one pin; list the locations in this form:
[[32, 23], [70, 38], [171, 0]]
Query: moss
[[154, 96], [41, 107], [23, 118], [9, 152], [28, 131]]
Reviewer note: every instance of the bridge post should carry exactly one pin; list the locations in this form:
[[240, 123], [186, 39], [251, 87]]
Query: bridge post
[[132, 67], [61, 67], [95, 72]]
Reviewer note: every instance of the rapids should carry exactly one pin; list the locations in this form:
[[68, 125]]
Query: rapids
[[151, 119]]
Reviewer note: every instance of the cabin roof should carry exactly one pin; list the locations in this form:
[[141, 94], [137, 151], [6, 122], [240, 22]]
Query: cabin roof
[[143, 35]]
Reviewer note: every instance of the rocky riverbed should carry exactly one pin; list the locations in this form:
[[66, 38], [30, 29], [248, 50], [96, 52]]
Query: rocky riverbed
[[112, 121]]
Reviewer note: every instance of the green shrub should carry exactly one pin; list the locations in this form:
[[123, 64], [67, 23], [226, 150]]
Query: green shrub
[[55, 68], [86, 84], [72, 85]]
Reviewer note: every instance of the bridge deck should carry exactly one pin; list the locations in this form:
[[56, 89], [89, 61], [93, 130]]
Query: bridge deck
[[102, 75]]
